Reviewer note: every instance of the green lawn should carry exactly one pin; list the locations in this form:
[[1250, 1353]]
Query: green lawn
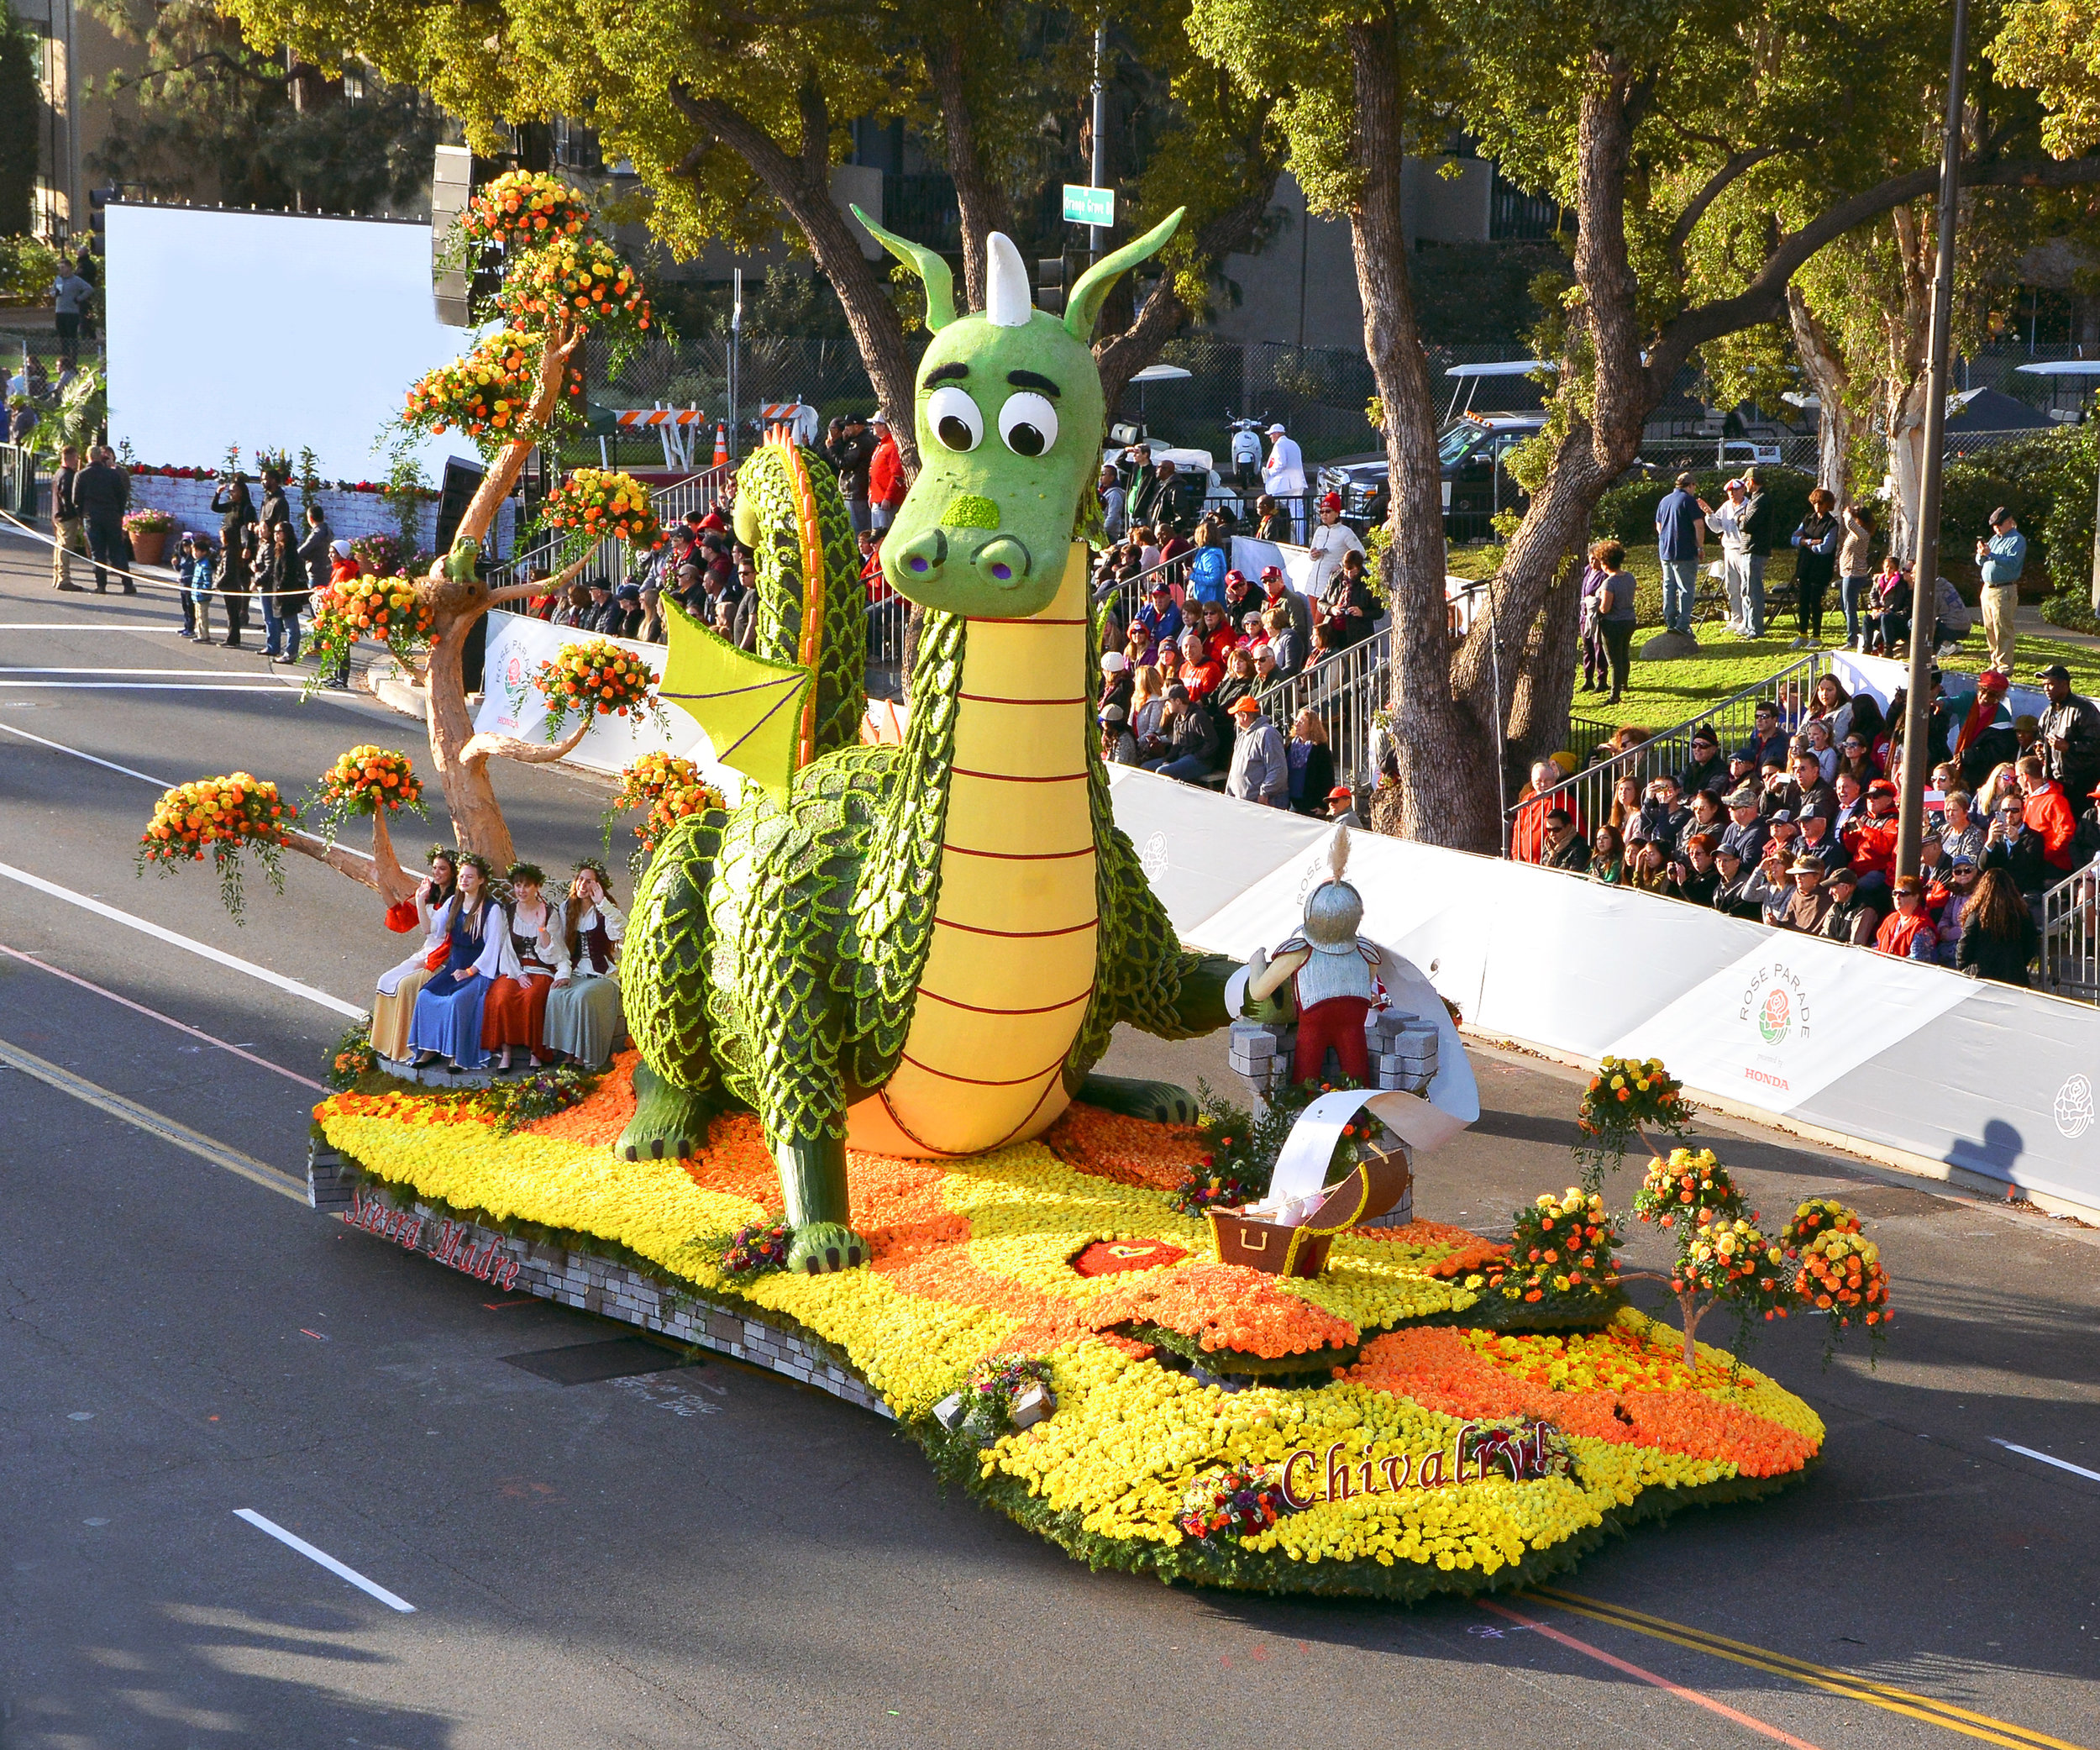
[[1663, 693]]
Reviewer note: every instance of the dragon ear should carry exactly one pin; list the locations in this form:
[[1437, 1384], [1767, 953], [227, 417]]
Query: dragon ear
[[1084, 306], [940, 283]]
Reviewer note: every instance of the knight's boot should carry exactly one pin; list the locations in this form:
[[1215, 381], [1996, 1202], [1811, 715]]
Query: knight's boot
[[813, 1181], [668, 1120], [1158, 1102]]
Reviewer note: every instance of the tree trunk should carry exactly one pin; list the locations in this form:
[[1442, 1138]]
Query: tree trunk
[[1446, 749], [1836, 425], [801, 183], [458, 601], [1545, 690], [980, 196]]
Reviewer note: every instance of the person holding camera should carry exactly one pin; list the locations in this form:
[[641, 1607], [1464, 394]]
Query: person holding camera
[[2001, 559]]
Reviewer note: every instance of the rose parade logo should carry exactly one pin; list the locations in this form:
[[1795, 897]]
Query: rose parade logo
[[1776, 1002]]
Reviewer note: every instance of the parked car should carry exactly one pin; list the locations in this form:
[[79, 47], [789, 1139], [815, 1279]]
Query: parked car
[[1476, 485]]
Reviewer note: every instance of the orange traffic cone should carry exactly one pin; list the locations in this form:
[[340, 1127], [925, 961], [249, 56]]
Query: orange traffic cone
[[721, 446]]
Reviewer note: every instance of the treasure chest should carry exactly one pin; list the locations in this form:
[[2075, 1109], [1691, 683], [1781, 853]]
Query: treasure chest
[[1375, 1186]]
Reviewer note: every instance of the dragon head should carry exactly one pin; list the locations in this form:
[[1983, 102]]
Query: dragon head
[[1009, 417]]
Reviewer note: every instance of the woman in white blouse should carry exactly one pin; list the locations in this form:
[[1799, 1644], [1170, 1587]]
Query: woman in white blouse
[[448, 1018], [583, 1018], [399, 986]]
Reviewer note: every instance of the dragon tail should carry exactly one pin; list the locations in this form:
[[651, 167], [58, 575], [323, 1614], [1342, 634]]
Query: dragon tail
[[812, 611]]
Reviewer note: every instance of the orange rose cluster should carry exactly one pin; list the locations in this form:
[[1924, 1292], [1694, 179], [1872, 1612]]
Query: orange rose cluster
[[215, 814], [486, 394], [596, 675], [387, 608], [524, 207], [583, 274], [1840, 1271], [597, 502], [370, 778], [670, 788]]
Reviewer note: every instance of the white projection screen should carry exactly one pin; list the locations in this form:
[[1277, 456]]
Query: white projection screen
[[268, 329]]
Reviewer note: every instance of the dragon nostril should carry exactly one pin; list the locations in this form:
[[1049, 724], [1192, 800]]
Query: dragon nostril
[[917, 563], [1002, 572]]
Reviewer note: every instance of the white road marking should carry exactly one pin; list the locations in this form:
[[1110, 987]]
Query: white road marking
[[291, 985], [206, 674], [180, 1136], [139, 628], [232, 685], [60, 746], [238, 1051], [339, 1569], [2029, 1451]]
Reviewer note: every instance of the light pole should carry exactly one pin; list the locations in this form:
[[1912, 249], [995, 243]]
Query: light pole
[[1925, 617], [1096, 237]]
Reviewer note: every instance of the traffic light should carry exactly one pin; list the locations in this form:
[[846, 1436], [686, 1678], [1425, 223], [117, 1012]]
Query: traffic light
[[98, 200], [1050, 284]]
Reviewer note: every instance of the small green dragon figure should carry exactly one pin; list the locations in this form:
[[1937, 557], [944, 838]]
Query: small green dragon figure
[[923, 947]]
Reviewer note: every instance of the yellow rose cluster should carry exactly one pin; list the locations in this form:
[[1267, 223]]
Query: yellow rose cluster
[[488, 394]]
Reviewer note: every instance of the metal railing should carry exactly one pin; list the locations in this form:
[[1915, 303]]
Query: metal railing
[[608, 560], [1345, 692], [17, 481], [1587, 795], [2070, 936]]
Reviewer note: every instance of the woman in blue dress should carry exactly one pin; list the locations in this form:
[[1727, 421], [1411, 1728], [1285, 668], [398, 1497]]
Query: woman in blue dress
[[448, 1018]]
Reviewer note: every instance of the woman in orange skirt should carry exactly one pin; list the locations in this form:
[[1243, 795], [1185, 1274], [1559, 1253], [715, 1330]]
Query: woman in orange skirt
[[515, 1010]]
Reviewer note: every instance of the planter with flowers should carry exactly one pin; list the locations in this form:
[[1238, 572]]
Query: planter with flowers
[[149, 530], [377, 555]]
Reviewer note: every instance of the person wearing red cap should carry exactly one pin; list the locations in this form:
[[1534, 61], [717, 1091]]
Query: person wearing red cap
[[1275, 588], [1342, 808], [1330, 539], [1870, 842], [1985, 737]]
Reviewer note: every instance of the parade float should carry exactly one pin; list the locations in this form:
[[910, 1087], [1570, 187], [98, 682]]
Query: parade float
[[859, 1135]]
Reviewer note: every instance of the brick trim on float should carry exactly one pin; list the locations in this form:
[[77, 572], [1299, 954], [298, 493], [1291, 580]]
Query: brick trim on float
[[598, 1285]]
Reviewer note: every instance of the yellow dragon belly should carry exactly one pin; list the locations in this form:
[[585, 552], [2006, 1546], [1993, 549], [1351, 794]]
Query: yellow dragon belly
[[1011, 964]]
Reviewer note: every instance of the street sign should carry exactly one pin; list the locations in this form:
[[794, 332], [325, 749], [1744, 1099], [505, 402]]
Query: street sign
[[1084, 206]]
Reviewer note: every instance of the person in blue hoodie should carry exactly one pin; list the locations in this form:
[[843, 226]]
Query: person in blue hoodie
[[193, 567]]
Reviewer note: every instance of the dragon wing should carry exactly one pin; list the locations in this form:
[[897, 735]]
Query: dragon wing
[[751, 708]]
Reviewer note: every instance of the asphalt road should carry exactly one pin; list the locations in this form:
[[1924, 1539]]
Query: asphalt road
[[709, 1554]]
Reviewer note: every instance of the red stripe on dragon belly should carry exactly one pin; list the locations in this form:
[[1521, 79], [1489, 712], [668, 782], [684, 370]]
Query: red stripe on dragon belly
[[979, 1081], [1071, 929], [1009, 778], [963, 851], [1047, 1008]]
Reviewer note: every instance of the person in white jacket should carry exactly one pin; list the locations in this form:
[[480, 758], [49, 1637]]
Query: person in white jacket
[[1283, 475]]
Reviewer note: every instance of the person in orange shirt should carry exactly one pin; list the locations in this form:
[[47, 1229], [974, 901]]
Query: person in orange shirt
[[1870, 842], [2048, 811], [1906, 933]]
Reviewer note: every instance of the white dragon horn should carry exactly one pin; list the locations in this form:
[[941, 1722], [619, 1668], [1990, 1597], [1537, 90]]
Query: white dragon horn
[[1007, 300]]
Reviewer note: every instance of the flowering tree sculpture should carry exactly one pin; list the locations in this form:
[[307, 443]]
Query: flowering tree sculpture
[[1559, 1266], [518, 386]]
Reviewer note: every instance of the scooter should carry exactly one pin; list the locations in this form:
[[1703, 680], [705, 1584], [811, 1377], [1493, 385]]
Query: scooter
[[1247, 447]]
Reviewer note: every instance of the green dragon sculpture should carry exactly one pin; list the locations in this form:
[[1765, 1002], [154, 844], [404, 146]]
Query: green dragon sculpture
[[922, 949]]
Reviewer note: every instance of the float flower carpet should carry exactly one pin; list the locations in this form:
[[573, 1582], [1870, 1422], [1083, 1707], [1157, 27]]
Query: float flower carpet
[[1069, 1250]]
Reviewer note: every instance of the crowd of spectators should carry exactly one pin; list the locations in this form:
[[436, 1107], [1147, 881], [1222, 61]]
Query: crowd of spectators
[[1796, 827]]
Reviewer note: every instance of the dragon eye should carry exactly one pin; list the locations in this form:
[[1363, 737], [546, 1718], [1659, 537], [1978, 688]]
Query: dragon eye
[[954, 417], [1028, 424]]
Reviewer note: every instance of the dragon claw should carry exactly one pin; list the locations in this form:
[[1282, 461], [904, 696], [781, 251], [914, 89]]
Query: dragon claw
[[821, 1247]]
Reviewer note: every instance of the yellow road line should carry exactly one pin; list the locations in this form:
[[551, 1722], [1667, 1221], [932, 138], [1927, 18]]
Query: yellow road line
[[1854, 1687], [180, 1136]]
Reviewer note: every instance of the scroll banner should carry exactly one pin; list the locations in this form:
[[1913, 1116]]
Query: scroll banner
[[510, 705], [1996, 1080]]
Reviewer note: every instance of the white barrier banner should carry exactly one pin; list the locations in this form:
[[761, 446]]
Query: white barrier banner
[[1996, 1079], [1250, 556], [1880, 676], [1783, 1023]]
